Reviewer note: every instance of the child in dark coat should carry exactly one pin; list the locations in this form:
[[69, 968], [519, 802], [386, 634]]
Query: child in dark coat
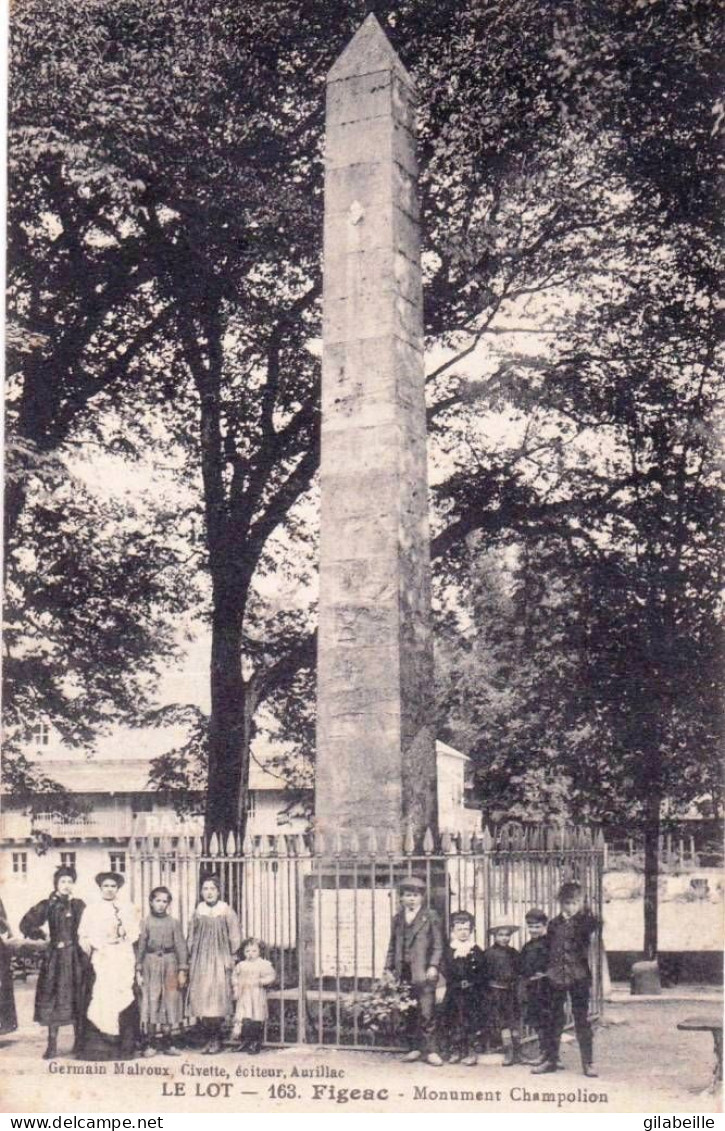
[[502, 975], [535, 985], [414, 957], [465, 974], [569, 937]]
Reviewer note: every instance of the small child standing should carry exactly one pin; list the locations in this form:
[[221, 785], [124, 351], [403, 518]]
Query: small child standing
[[502, 973], [535, 983], [161, 967], [251, 975], [464, 974]]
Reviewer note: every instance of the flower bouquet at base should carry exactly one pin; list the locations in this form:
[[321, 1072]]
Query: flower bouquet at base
[[384, 1008]]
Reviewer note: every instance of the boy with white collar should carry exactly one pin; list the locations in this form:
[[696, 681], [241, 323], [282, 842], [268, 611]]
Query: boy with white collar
[[465, 978]]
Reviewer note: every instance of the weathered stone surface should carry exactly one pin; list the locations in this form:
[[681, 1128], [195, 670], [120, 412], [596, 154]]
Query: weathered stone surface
[[375, 738]]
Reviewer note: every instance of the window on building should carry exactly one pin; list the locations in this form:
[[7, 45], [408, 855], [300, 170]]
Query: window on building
[[20, 864], [118, 862], [68, 860], [40, 734]]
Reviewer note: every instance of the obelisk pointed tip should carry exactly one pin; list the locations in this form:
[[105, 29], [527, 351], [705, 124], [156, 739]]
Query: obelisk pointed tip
[[369, 50]]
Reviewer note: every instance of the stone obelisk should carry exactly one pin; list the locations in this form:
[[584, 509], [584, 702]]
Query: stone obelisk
[[375, 712]]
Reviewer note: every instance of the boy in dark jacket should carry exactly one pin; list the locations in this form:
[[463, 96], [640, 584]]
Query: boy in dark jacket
[[535, 985], [414, 956], [502, 974], [465, 975], [569, 936]]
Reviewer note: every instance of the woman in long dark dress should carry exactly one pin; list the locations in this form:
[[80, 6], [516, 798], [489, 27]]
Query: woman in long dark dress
[[8, 1016], [60, 990]]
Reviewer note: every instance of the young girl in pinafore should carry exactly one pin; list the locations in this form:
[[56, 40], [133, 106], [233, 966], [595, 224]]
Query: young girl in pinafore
[[251, 977], [214, 939], [161, 970]]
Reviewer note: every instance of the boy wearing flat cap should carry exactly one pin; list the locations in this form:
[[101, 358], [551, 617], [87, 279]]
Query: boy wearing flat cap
[[535, 985], [414, 956], [569, 936]]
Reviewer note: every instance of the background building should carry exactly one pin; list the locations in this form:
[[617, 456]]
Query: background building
[[112, 790]]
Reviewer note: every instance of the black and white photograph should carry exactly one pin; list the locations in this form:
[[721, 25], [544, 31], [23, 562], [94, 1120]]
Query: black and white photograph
[[362, 549]]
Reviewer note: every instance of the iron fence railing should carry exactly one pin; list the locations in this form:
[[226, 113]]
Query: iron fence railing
[[324, 910]]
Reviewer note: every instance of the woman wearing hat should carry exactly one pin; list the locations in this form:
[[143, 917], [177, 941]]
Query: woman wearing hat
[[59, 993], [107, 932]]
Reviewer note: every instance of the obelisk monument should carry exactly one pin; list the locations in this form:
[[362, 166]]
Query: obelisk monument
[[375, 707]]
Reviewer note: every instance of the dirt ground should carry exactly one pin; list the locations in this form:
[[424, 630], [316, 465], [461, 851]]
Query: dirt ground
[[645, 1065]]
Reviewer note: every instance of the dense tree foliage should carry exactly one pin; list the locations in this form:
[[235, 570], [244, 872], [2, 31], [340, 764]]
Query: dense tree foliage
[[165, 227]]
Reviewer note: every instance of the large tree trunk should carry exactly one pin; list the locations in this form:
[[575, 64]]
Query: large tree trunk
[[228, 742], [651, 874]]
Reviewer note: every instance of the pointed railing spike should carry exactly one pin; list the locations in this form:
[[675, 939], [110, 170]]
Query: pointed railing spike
[[372, 842], [354, 845], [599, 842], [231, 845], [486, 839], [213, 845], [338, 842], [257, 850], [390, 842], [446, 842], [248, 844], [409, 839], [465, 841], [282, 849], [428, 843]]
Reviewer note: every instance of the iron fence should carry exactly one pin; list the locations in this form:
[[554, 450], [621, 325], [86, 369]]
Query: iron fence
[[324, 910]]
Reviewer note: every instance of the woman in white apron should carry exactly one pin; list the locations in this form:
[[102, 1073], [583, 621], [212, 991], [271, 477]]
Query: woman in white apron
[[108, 929]]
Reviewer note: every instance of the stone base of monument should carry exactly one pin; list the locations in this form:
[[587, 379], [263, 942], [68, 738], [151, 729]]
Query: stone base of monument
[[645, 978]]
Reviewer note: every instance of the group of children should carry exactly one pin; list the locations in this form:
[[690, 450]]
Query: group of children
[[224, 977], [213, 977], [489, 993]]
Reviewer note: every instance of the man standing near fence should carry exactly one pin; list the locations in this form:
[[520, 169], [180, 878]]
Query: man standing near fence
[[414, 957]]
